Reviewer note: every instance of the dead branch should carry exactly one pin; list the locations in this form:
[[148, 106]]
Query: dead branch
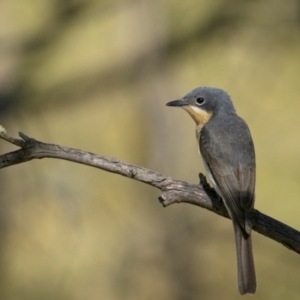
[[173, 191]]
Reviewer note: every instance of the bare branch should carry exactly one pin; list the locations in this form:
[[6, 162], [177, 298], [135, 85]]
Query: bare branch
[[173, 191], [4, 136]]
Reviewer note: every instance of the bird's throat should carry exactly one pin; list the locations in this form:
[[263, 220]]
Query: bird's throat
[[200, 116]]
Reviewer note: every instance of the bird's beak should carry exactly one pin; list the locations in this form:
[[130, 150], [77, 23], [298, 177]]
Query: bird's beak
[[180, 102]]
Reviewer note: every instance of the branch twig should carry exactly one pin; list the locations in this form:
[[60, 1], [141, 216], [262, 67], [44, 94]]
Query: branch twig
[[173, 191]]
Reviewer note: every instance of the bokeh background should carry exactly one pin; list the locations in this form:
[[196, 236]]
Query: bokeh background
[[95, 75]]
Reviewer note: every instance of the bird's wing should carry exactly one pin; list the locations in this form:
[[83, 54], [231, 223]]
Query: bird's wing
[[234, 177]]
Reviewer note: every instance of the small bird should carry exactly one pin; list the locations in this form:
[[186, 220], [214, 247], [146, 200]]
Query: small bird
[[227, 150]]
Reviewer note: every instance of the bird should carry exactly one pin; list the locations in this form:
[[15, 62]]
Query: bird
[[227, 151]]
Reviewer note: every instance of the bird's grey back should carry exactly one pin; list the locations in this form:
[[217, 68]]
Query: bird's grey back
[[225, 135]]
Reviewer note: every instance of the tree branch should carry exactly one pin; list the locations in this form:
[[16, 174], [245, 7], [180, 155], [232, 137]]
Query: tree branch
[[173, 191]]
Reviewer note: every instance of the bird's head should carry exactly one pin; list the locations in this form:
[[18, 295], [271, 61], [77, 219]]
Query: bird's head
[[204, 102]]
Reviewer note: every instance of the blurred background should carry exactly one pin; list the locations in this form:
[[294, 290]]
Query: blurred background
[[95, 75]]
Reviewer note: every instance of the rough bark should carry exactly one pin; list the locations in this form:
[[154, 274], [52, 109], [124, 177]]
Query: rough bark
[[173, 191]]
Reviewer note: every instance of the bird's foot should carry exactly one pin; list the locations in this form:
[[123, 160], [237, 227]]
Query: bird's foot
[[203, 181], [206, 186]]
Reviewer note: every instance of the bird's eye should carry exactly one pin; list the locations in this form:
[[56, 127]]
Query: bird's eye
[[200, 100]]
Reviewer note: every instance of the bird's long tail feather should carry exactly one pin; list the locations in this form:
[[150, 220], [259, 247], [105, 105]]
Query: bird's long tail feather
[[245, 262]]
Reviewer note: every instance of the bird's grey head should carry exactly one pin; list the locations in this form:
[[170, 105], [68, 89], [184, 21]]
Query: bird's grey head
[[204, 102]]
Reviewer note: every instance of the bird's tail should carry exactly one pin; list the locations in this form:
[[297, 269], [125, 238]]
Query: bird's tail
[[245, 262]]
